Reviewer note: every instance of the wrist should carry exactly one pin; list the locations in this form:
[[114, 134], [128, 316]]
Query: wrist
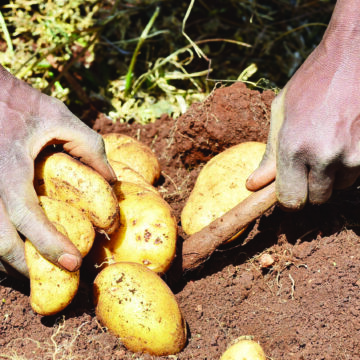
[[344, 26], [2, 72], [5, 76]]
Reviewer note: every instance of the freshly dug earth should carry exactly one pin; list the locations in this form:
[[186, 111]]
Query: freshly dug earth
[[306, 305]]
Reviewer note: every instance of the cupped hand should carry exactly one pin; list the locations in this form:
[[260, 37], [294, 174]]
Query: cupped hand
[[314, 141], [30, 120]]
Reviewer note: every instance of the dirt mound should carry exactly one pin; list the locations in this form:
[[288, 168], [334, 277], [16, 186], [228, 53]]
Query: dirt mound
[[305, 306]]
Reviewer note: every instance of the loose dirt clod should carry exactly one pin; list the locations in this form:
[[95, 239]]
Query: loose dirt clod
[[266, 260]]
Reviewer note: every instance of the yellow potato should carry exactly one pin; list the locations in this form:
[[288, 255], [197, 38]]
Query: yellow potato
[[220, 185], [136, 305], [126, 173], [147, 232], [244, 349], [61, 177], [133, 153], [53, 288], [78, 226]]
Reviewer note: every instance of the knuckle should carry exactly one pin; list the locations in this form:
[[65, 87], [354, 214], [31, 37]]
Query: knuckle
[[8, 240], [20, 216], [94, 142], [99, 145], [52, 109], [6, 249], [291, 202], [20, 212]]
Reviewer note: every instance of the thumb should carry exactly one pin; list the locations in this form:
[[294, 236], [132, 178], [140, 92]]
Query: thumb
[[266, 171]]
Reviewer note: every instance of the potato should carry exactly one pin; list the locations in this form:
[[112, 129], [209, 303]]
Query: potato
[[244, 349], [126, 173], [220, 185], [147, 232], [133, 153], [136, 305], [61, 177], [53, 288], [78, 226]]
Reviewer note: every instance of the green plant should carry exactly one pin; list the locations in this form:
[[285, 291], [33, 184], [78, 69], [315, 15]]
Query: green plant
[[134, 60]]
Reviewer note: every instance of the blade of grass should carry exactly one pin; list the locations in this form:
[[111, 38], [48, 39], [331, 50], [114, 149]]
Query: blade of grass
[[143, 36], [6, 35], [297, 29], [169, 58], [198, 51]]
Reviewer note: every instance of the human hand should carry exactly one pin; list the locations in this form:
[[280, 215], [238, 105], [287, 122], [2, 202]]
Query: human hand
[[30, 120], [313, 145]]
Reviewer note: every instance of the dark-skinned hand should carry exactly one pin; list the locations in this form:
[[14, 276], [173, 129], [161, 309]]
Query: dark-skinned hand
[[314, 141], [30, 120]]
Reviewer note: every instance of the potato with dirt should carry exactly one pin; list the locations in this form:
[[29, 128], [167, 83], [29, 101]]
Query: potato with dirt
[[62, 177], [244, 348], [147, 233], [220, 185], [136, 305], [126, 173], [53, 288], [133, 153]]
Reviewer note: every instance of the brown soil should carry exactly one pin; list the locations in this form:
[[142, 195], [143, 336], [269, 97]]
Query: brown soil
[[305, 306]]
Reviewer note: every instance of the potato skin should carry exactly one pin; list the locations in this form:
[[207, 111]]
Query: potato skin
[[78, 226], [126, 173], [61, 177], [147, 232], [220, 185], [244, 349], [53, 288], [133, 153], [136, 305]]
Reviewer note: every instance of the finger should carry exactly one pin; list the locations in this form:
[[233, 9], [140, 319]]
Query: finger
[[346, 177], [291, 181], [25, 213], [79, 140], [263, 175], [266, 171], [321, 181], [89, 146], [11, 246], [9, 270]]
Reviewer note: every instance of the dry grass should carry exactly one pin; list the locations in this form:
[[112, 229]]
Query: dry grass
[[138, 59], [60, 346]]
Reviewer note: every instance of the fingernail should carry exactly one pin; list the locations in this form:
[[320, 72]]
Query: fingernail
[[69, 262], [250, 182], [113, 178]]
